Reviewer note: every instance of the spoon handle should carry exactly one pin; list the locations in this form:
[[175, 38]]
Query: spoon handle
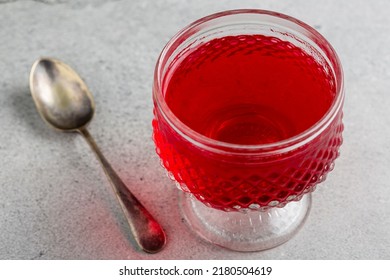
[[147, 232]]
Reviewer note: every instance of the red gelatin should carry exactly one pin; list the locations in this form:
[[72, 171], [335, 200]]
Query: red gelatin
[[247, 90]]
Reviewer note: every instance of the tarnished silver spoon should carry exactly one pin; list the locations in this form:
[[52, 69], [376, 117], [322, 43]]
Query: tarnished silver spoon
[[64, 102]]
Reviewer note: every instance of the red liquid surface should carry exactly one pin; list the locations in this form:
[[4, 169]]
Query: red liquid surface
[[248, 89]]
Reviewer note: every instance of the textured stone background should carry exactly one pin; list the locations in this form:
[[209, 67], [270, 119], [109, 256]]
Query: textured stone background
[[55, 202]]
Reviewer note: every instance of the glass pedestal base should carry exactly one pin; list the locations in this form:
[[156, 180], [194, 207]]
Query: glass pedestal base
[[250, 231]]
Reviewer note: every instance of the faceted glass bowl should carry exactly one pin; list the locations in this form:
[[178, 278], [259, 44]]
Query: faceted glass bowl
[[247, 197]]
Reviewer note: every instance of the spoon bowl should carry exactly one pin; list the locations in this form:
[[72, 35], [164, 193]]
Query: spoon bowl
[[61, 97], [65, 103]]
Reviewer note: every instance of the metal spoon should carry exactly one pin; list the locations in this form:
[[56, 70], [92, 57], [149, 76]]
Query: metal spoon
[[64, 102]]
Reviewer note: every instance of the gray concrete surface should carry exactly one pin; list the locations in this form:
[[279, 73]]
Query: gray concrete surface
[[55, 202]]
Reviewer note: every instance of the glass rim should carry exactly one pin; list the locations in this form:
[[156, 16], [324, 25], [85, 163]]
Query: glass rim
[[275, 147]]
